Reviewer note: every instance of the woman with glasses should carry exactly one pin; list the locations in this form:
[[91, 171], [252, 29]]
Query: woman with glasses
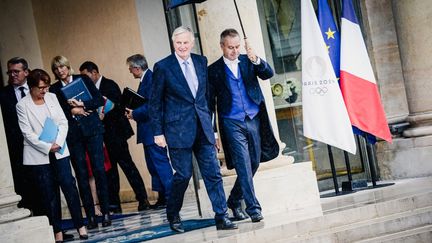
[[44, 127]]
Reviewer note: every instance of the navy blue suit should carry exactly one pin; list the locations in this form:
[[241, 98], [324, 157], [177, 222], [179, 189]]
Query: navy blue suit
[[186, 123], [242, 140], [86, 132], [156, 157]]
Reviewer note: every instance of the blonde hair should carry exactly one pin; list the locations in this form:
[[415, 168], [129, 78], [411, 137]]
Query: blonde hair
[[59, 61]]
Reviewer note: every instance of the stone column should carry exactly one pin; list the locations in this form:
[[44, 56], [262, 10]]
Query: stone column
[[15, 223], [412, 21]]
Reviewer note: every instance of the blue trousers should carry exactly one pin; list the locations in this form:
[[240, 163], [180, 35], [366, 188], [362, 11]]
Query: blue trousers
[[244, 146], [94, 145], [160, 169], [47, 179], [181, 160]]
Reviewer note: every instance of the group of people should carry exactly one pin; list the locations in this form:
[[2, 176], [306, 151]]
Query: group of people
[[183, 96]]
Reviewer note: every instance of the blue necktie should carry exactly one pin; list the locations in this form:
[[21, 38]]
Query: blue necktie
[[192, 83]]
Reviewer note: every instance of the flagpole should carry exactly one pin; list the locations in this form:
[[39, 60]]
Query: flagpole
[[241, 23]]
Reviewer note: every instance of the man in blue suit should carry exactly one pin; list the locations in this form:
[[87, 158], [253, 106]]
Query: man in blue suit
[[182, 120], [242, 119], [156, 157]]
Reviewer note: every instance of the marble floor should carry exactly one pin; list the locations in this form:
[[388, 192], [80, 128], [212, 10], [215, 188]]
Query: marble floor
[[131, 229]]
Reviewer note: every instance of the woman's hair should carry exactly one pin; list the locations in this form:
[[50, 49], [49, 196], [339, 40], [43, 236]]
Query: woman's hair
[[37, 75], [59, 61]]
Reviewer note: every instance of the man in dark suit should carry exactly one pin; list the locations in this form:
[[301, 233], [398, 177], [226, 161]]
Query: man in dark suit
[[17, 88], [156, 157], [117, 131], [181, 119], [241, 111], [85, 132]]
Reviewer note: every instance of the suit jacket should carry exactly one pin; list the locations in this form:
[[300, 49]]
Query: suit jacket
[[175, 112], [117, 126], [14, 135], [141, 114], [220, 95], [85, 125], [36, 152]]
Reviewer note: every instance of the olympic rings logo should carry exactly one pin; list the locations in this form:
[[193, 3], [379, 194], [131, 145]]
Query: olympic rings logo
[[318, 91]]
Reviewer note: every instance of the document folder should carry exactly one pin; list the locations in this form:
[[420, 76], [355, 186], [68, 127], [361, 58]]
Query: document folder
[[49, 133], [77, 90], [131, 99]]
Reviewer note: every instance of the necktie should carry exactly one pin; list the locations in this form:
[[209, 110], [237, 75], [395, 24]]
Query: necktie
[[192, 83], [22, 92]]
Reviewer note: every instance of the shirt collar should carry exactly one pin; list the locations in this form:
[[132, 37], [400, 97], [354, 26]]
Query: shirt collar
[[70, 81], [98, 82], [229, 62], [181, 61], [25, 85]]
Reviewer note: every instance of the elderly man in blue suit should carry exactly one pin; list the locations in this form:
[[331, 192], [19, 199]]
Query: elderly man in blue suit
[[245, 130], [156, 157], [182, 120]]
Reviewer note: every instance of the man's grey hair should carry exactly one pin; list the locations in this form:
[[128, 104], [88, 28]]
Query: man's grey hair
[[137, 60], [181, 30]]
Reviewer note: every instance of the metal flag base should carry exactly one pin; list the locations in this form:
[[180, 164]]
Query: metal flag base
[[354, 185]]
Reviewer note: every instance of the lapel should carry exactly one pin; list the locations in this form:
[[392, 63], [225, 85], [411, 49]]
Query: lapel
[[178, 74], [243, 67], [200, 75], [11, 94], [221, 69]]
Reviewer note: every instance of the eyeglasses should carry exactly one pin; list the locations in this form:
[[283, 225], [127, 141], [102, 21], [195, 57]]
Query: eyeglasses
[[11, 72], [43, 88]]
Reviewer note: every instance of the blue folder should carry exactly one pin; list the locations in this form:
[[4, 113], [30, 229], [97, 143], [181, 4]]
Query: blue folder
[[49, 133], [77, 90]]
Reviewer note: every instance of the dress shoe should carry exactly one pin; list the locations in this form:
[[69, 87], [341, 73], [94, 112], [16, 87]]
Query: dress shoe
[[92, 223], [239, 214], [176, 224], [67, 237], [256, 217], [143, 205], [225, 224], [115, 209], [160, 203], [106, 221], [83, 236]]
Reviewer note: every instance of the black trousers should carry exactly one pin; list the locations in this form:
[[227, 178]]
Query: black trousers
[[118, 150]]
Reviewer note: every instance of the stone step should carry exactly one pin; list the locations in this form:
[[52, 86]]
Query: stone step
[[285, 226], [417, 235], [369, 229]]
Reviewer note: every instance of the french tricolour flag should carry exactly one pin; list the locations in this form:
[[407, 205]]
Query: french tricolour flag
[[357, 79]]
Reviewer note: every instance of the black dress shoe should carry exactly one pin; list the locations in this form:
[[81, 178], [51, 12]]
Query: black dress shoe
[[92, 223], [67, 237], [256, 217], [115, 209], [176, 224], [143, 205], [225, 224], [106, 221], [83, 237], [239, 214], [159, 204]]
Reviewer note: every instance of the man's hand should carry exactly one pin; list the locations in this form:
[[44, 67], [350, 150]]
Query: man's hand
[[218, 145], [250, 52], [160, 141], [128, 114], [55, 148], [75, 103], [79, 111]]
